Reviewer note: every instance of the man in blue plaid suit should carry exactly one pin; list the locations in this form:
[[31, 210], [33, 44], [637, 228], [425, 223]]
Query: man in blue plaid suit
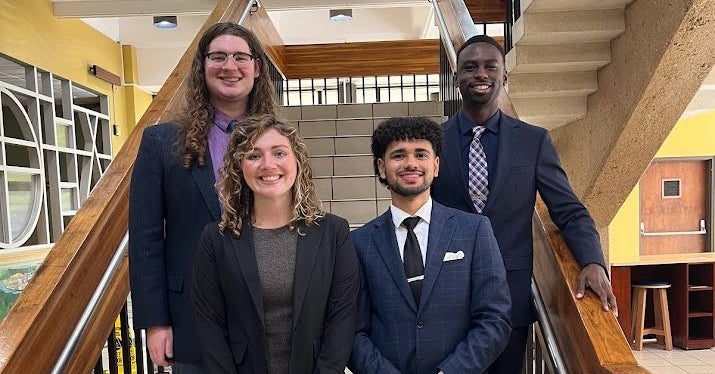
[[433, 295]]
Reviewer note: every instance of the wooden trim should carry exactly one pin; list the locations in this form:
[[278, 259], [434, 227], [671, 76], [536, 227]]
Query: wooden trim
[[362, 59], [588, 336], [263, 27], [487, 11], [38, 326]]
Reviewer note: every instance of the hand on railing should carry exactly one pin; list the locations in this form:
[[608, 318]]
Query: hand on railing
[[594, 276]]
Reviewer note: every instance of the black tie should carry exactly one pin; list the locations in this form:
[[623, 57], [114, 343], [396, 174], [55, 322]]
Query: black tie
[[414, 268], [231, 125]]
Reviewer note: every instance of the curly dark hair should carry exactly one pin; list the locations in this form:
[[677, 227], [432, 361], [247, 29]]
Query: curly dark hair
[[198, 113], [404, 128], [233, 192]]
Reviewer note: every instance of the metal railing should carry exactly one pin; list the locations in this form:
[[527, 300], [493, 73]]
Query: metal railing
[[361, 90]]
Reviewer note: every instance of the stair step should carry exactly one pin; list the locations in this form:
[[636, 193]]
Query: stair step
[[577, 26], [558, 58], [561, 5], [550, 112], [576, 83]]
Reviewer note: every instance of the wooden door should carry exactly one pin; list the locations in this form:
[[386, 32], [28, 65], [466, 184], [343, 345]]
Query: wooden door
[[674, 207]]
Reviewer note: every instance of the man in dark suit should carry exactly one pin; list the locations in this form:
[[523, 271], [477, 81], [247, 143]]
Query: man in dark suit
[[433, 294], [494, 165]]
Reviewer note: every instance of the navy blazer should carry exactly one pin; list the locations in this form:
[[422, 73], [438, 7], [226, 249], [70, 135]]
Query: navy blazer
[[526, 163], [168, 208], [462, 322], [227, 298]]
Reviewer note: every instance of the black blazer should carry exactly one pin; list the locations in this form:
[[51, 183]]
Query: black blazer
[[527, 163], [168, 208], [229, 307]]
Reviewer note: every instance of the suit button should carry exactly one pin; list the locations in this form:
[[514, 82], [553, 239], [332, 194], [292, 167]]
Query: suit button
[[420, 324]]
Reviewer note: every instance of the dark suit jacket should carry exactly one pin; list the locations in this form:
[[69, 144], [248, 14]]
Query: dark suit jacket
[[526, 163], [229, 307], [168, 208], [462, 322]]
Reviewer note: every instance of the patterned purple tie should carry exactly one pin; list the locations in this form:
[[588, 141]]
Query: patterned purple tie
[[478, 173]]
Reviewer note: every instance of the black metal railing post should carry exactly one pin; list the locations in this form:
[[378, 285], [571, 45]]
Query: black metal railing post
[[112, 352], [448, 91]]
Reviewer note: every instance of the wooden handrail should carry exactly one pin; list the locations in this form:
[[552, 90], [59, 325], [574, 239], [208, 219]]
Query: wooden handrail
[[589, 337], [38, 326]]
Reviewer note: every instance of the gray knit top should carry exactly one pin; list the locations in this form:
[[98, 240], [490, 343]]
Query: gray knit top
[[275, 256]]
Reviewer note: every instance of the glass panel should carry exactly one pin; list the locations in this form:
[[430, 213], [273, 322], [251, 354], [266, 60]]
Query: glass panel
[[332, 97], [63, 135], [306, 98], [370, 96], [370, 81], [495, 29], [21, 199], [294, 98], [421, 94], [384, 95], [382, 81], [408, 94], [395, 94], [68, 200]]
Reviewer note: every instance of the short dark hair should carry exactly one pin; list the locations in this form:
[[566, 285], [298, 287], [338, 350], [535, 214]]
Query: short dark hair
[[481, 39], [404, 128]]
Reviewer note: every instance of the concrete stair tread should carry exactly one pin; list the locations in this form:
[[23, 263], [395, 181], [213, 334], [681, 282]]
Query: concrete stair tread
[[568, 26], [558, 58], [560, 84], [560, 5]]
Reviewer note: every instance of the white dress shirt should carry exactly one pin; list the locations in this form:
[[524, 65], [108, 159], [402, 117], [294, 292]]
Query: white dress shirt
[[421, 229]]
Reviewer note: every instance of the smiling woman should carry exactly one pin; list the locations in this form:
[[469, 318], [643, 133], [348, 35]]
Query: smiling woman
[[276, 280]]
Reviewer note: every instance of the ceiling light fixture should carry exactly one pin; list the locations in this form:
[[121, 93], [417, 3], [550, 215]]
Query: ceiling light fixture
[[341, 15], [165, 22]]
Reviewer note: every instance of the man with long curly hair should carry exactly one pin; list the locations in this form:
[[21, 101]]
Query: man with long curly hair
[[172, 190]]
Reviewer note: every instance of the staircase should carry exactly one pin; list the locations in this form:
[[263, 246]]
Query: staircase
[[338, 139], [559, 45]]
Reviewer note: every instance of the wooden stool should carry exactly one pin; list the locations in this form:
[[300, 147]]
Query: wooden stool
[[662, 316]]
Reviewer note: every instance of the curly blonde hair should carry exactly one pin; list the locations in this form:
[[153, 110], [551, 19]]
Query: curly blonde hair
[[235, 196], [198, 113]]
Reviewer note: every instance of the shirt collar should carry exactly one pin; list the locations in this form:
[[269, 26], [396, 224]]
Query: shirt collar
[[466, 125], [424, 212], [221, 120]]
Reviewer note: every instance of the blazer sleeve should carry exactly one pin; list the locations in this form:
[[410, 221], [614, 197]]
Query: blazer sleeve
[[565, 209], [146, 234], [490, 307], [208, 303], [365, 357], [339, 328]]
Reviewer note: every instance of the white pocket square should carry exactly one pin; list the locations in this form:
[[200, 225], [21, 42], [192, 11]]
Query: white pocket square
[[452, 256]]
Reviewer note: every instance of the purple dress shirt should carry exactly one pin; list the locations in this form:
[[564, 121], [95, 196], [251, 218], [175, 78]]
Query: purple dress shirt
[[218, 140]]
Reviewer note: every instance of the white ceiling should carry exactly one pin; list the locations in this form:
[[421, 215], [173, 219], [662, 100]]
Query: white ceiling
[[158, 50]]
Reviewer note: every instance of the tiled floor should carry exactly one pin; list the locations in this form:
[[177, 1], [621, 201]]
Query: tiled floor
[[659, 361]]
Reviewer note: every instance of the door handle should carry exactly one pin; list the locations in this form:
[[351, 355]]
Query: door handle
[[702, 231]]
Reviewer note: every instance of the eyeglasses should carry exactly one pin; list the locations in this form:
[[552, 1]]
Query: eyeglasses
[[220, 58]]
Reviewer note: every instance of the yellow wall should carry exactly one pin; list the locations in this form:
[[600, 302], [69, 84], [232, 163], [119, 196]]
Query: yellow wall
[[691, 137], [67, 47]]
